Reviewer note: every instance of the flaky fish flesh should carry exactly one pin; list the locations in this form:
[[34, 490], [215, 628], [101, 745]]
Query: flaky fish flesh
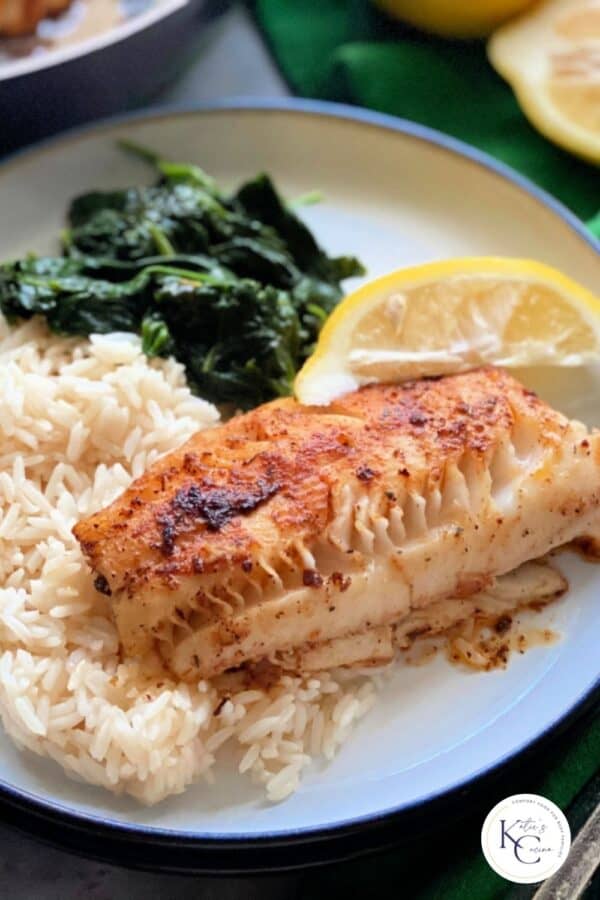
[[534, 584], [291, 526]]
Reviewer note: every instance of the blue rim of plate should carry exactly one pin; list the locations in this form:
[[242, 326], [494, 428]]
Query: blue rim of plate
[[75, 818]]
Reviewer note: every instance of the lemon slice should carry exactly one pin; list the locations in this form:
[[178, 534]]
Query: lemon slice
[[454, 18], [451, 316], [551, 57]]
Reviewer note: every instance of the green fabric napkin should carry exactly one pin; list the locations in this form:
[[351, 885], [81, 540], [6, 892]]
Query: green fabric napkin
[[345, 50]]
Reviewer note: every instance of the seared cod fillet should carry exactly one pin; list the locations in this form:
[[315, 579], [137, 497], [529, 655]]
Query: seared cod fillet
[[291, 526], [532, 584]]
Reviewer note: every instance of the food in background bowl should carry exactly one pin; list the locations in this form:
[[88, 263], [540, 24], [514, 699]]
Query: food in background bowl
[[46, 24], [21, 17]]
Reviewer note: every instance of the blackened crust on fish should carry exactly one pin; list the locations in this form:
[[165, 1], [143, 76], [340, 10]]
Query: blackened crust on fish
[[219, 505], [312, 578], [365, 473], [215, 506], [342, 582], [102, 585], [503, 624], [168, 533]]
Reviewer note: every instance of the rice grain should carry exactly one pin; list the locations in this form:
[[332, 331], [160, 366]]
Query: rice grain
[[78, 420]]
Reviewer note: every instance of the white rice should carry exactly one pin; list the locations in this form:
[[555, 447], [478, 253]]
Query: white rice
[[78, 420]]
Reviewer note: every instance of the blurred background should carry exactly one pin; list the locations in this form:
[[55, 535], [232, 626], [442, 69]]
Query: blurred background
[[516, 78]]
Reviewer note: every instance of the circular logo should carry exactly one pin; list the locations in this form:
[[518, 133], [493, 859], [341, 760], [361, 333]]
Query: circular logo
[[525, 838]]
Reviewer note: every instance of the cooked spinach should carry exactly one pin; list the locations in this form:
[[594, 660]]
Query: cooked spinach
[[234, 286]]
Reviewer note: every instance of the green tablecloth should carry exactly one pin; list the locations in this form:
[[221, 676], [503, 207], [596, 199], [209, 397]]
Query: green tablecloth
[[344, 50]]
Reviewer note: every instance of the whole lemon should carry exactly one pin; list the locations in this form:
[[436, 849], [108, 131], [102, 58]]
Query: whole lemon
[[454, 18]]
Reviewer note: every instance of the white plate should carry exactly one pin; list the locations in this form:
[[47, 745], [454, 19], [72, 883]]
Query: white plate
[[394, 194]]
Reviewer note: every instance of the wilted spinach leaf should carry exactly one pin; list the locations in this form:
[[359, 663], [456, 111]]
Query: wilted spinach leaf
[[234, 286]]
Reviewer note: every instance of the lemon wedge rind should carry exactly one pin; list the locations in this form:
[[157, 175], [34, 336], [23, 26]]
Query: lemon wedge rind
[[450, 316]]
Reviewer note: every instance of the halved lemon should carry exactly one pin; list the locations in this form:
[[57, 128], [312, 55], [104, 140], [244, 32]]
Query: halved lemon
[[452, 316], [551, 58]]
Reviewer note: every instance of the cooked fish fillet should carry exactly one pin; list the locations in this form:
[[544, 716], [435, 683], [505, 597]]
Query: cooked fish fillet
[[531, 584], [293, 525]]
